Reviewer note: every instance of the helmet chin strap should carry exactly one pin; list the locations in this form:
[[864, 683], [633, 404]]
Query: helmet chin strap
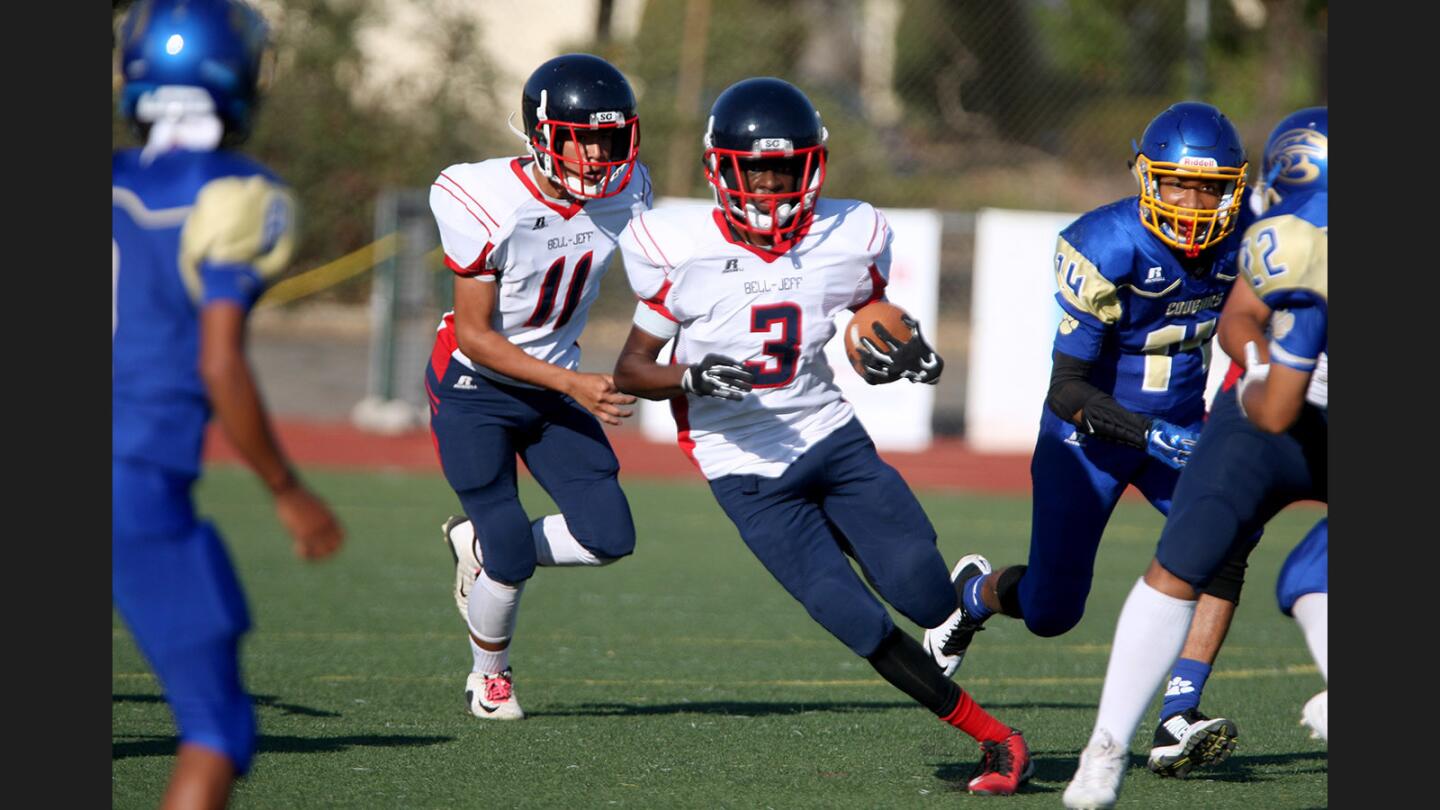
[[542, 160], [179, 118], [198, 133], [581, 187], [760, 219]]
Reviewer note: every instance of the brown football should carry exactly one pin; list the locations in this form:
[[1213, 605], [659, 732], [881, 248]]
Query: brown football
[[862, 324]]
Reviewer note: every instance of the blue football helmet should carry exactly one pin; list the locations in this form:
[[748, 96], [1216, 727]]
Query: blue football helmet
[[1297, 156], [172, 50], [1195, 141]]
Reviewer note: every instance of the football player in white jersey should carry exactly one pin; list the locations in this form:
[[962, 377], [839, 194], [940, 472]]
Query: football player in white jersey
[[529, 239], [747, 292]]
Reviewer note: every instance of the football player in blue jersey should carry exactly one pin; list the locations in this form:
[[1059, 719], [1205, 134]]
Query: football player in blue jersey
[[1263, 448], [1285, 256], [1141, 284], [197, 232], [1303, 593]]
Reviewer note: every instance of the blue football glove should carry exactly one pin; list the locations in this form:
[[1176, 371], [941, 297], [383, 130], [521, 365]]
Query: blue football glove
[[1171, 444]]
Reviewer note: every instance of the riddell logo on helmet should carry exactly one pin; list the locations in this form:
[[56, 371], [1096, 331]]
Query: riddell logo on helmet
[[1205, 162]]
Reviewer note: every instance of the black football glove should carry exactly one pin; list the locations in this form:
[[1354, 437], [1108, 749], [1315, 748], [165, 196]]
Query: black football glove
[[913, 360], [718, 376]]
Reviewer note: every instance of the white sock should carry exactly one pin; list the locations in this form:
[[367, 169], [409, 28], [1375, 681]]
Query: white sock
[[493, 607], [1148, 638], [555, 545], [488, 661], [1312, 612]]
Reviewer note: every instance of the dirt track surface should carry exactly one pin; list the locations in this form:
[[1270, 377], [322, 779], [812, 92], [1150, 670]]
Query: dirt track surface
[[948, 464]]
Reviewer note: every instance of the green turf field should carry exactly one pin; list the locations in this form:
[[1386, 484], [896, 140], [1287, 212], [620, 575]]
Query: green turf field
[[681, 677]]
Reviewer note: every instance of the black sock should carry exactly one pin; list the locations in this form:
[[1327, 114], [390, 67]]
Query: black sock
[[904, 663], [1007, 590]]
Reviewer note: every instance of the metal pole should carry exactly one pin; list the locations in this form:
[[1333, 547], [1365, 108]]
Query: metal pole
[[382, 304], [684, 143], [1197, 31]]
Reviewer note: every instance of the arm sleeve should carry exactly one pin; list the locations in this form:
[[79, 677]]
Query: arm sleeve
[[1073, 398], [238, 238], [654, 322]]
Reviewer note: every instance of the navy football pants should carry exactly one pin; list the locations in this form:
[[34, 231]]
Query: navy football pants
[[840, 498], [478, 430], [1076, 480], [1237, 479], [174, 586], [1306, 569]]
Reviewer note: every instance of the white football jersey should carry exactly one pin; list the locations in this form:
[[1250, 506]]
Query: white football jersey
[[548, 256], [772, 312]]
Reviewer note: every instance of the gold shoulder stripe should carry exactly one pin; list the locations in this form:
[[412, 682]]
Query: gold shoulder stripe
[[1082, 284], [1156, 293]]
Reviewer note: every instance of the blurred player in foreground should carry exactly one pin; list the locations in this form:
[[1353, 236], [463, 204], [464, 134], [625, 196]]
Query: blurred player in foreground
[[1141, 285], [1240, 476], [197, 233], [529, 239], [747, 291]]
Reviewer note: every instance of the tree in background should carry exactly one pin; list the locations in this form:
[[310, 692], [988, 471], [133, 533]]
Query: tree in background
[[1027, 103], [1009, 103]]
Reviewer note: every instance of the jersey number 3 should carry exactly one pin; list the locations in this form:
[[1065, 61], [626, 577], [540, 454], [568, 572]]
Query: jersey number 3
[[784, 352]]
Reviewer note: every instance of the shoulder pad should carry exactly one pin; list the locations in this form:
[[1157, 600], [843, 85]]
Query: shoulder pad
[[248, 221], [1286, 257]]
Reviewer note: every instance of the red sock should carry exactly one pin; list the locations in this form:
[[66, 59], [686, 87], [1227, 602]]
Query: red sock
[[975, 721]]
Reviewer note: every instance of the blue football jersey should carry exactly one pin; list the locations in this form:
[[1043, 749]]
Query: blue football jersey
[[188, 229], [1141, 318], [1286, 256]]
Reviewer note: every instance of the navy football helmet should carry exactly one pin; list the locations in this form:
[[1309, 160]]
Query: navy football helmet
[[1297, 156], [765, 118], [187, 54], [1194, 141], [580, 92]]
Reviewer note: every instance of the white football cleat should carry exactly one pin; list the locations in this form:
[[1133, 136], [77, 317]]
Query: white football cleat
[[491, 696], [1097, 781], [459, 535], [1316, 716], [948, 642]]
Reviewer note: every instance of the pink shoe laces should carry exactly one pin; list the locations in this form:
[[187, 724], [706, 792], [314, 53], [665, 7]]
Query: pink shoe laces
[[498, 689]]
